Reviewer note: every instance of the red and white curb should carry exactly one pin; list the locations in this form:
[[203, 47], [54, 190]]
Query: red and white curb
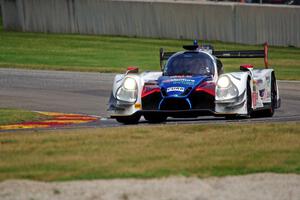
[[57, 120]]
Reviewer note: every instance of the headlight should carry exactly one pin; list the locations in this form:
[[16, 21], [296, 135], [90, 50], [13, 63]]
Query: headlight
[[223, 82], [225, 89], [128, 91], [129, 84]]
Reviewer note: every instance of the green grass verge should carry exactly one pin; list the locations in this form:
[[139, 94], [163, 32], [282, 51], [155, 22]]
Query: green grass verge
[[12, 116], [150, 151], [114, 54]]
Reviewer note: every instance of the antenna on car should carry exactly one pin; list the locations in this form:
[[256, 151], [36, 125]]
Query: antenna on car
[[193, 47]]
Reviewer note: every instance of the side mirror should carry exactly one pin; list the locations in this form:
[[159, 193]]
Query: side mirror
[[132, 70]]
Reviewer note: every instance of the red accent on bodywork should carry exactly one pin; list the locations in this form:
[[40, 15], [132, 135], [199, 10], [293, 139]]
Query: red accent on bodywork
[[207, 87], [133, 69], [147, 90], [247, 66]]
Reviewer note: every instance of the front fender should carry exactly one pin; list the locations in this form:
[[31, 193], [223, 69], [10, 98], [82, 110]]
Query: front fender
[[234, 105], [119, 80], [239, 79], [121, 108]]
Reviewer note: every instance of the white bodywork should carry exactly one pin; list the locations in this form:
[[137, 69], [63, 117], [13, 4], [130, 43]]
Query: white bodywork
[[124, 108], [260, 85], [259, 80]]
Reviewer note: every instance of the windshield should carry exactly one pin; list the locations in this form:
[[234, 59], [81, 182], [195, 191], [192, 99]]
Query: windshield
[[189, 63]]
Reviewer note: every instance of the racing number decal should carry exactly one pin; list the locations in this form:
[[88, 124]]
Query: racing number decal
[[175, 89]]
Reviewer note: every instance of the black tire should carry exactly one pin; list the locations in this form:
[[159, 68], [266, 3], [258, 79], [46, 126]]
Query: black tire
[[249, 100], [155, 117], [270, 111], [132, 119]]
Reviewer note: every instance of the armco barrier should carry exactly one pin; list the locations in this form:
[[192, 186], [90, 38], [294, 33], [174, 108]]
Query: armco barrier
[[228, 22]]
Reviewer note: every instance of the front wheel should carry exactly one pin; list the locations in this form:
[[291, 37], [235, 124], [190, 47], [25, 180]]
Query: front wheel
[[249, 101], [132, 119]]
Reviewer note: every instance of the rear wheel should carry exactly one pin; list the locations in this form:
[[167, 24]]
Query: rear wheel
[[155, 117], [132, 119], [271, 111]]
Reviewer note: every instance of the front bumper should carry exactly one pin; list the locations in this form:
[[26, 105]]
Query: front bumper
[[171, 113], [231, 106]]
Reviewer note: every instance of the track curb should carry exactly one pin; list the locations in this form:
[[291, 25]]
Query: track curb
[[57, 120]]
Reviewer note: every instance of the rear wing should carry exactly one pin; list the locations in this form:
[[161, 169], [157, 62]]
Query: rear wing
[[226, 54], [245, 54]]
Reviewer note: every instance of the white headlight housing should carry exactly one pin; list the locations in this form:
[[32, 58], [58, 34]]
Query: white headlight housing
[[128, 91], [129, 84], [223, 82], [225, 89]]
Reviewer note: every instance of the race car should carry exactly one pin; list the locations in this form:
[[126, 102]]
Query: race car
[[192, 83]]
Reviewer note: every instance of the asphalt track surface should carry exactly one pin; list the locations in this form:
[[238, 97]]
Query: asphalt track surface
[[88, 93]]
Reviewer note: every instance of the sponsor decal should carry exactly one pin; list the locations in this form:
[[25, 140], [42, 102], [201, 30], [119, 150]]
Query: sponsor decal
[[180, 81], [175, 89]]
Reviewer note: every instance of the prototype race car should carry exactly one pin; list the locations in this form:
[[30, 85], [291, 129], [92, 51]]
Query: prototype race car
[[192, 83]]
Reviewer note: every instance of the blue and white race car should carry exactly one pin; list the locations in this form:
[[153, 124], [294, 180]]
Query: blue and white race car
[[192, 83]]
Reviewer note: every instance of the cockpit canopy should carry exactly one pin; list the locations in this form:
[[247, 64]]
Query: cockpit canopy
[[189, 63]]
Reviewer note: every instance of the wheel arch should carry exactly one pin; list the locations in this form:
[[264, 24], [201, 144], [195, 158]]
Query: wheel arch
[[240, 80]]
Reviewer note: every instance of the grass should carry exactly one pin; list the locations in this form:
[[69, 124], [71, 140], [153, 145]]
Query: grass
[[114, 54], [13, 116], [150, 151]]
